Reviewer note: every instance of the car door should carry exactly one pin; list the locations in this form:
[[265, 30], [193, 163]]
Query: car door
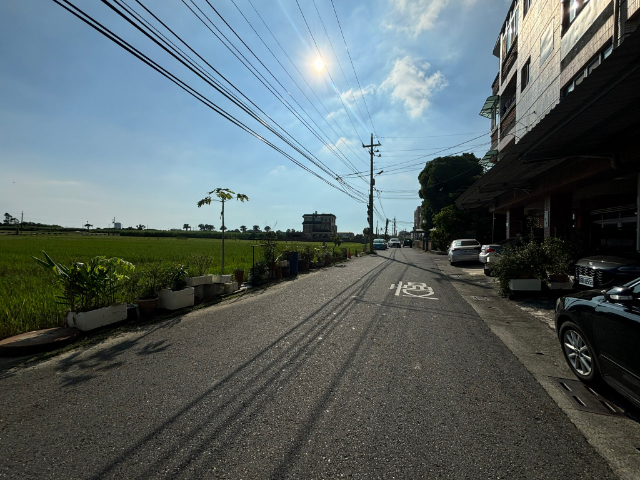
[[616, 332]]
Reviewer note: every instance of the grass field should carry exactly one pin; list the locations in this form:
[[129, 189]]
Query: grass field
[[27, 293]]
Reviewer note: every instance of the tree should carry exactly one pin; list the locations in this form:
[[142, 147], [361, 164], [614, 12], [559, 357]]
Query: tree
[[202, 227], [87, 225], [243, 228], [267, 229], [223, 194], [186, 227], [443, 180], [140, 227], [256, 228], [10, 219]]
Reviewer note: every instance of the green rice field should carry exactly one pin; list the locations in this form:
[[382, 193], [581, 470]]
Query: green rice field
[[27, 291]]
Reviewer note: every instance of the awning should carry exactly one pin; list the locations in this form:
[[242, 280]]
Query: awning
[[489, 154], [488, 105]]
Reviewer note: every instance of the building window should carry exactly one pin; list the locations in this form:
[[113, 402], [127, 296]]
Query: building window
[[526, 5], [572, 9], [510, 30], [586, 71], [525, 75]]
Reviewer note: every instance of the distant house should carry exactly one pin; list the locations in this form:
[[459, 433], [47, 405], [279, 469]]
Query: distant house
[[319, 226]]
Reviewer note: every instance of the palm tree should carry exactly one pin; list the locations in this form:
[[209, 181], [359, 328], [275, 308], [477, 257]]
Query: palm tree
[[243, 228], [186, 227], [87, 225], [256, 228]]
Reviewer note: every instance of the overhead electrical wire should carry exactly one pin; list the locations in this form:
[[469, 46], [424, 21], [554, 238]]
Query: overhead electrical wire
[[354, 69], [328, 72], [77, 12]]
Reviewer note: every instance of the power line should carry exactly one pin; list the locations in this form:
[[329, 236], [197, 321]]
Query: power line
[[328, 72], [128, 47], [354, 68]]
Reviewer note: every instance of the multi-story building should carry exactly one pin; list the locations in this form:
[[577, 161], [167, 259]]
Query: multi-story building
[[564, 110], [320, 226]]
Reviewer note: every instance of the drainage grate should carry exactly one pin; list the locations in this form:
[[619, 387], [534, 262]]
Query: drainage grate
[[585, 398], [480, 299]]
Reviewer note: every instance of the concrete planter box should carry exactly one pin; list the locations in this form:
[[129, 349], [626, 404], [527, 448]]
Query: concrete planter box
[[525, 285], [195, 281], [230, 287], [221, 278], [100, 317], [174, 300], [560, 285], [213, 290]]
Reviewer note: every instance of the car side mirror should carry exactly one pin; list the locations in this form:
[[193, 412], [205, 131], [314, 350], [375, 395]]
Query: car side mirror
[[619, 295]]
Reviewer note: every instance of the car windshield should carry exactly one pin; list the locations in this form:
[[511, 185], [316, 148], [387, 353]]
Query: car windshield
[[467, 243], [395, 240], [378, 241]]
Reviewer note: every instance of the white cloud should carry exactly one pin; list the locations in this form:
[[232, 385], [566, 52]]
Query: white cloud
[[409, 83], [415, 16], [352, 95], [277, 171]]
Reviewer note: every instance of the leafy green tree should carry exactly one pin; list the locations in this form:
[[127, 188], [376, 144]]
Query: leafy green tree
[[443, 180], [186, 227], [267, 229], [243, 228], [140, 227], [256, 228], [202, 227]]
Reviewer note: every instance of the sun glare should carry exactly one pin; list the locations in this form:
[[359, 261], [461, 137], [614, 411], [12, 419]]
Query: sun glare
[[319, 64]]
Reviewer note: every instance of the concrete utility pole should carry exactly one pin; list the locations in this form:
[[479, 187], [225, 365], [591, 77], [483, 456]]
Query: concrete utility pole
[[371, 183], [395, 232], [386, 229]]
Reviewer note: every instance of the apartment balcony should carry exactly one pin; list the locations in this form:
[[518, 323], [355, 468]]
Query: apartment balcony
[[508, 118], [509, 60], [495, 86]]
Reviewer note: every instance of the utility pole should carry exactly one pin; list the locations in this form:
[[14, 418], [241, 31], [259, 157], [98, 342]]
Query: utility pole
[[395, 232], [386, 229], [376, 228], [223, 229], [371, 183], [21, 221]]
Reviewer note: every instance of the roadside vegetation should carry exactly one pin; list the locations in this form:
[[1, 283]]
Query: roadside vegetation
[[28, 294]]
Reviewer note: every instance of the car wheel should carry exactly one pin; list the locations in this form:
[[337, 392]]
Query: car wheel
[[578, 353]]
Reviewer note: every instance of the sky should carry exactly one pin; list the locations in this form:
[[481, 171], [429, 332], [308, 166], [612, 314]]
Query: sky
[[89, 133]]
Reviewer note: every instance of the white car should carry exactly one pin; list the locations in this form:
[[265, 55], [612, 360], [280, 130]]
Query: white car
[[463, 250], [395, 242]]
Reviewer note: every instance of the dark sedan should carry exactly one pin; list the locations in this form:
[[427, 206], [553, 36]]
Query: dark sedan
[[600, 335], [601, 271]]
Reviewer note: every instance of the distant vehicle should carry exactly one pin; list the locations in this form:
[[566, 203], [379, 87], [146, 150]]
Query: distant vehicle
[[379, 244], [463, 250], [603, 271], [599, 336], [407, 242], [395, 243], [490, 254]]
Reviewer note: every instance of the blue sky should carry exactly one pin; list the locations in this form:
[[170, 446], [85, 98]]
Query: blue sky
[[88, 132]]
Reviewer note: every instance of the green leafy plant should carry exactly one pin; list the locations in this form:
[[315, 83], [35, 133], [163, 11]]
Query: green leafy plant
[[199, 263], [150, 281], [174, 277], [98, 283], [270, 247], [258, 271]]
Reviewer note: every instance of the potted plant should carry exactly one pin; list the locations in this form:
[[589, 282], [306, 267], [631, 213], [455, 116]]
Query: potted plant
[[305, 258], [521, 268], [147, 284], [558, 262], [93, 290], [177, 294], [198, 264], [258, 272]]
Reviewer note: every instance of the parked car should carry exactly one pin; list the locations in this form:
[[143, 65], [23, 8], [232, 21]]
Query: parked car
[[379, 244], [463, 250], [603, 271], [407, 242], [490, 254], [599, 333], [395, 243]]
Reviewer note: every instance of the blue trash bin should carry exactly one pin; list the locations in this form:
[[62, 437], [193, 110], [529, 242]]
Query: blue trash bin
[[293, 263]]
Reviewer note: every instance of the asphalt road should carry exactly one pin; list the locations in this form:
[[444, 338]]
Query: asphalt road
[[343, 372]]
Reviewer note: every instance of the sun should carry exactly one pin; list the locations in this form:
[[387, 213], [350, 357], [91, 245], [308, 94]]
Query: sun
[[319, 64]]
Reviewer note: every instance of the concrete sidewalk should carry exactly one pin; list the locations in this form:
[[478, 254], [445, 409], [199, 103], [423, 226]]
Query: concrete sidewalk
[[526, 327]]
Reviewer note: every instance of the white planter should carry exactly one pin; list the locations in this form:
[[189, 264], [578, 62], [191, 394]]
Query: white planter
[[195, 281], [525, 285], [212, 290], [174, 300], [561, 285], [230, 287], [97, 318], [220, 278]]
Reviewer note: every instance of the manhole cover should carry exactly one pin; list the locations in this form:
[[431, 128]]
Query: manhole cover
[[585, 398], [480, 299]]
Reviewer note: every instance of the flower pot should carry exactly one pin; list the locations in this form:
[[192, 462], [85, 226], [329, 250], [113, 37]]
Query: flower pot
[[97, 318], [220, 278], [147, 306], [285, 271], [171, 300], [327, 260], [525, 285], [230, 287], [239, 276], [202, 280]]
